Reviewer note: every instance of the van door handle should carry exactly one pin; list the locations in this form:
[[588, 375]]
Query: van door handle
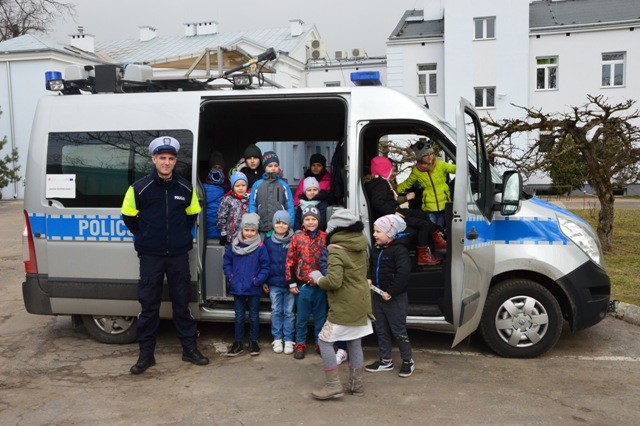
[[473, 234]]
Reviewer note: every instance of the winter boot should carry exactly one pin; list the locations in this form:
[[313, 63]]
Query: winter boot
[[332, 387], [355, 386], [425, 257], [438, 241]]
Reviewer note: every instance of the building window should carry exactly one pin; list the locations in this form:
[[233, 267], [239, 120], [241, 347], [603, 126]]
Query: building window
[[613, 69], [331, 84], [485, 28], [547, 73], [485, 97], [427, 79]]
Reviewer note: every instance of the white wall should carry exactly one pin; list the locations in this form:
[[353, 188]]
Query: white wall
[[502, 62], [319, 76], [580, 67], [402, 62]]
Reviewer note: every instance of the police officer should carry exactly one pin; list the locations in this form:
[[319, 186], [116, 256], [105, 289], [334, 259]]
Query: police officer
[[160, 210]]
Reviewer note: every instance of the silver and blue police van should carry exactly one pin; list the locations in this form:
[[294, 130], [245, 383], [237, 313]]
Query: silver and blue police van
[[516, 267]]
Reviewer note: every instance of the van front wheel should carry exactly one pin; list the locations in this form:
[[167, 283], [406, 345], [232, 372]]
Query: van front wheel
[[110, 329], [521, 319]]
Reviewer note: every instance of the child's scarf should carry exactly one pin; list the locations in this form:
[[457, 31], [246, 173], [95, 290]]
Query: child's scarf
[[242, 247]]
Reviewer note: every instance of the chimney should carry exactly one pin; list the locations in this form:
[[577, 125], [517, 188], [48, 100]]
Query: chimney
[[83, 41], [295, 25], [207, 28], [190, 29], [147, 33]]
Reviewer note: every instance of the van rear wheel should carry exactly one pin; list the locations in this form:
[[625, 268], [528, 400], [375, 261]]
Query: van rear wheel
[[111, 329], [521, 319]]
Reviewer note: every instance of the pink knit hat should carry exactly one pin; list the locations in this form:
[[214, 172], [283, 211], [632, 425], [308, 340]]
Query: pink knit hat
[[381, 166], [391, 225]]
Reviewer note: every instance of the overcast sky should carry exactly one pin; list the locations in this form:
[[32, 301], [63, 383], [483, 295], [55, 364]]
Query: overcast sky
[[344, 24]]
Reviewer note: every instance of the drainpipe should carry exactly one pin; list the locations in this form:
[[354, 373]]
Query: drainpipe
[[11, 123]]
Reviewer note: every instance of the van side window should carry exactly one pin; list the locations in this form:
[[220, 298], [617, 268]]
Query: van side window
[[106, 163]]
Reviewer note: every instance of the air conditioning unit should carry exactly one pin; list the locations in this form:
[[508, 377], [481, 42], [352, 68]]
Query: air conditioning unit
[[318, 50], [358, 53], [341, 55]]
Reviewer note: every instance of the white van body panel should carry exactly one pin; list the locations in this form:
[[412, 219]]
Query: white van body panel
[[91, 245]]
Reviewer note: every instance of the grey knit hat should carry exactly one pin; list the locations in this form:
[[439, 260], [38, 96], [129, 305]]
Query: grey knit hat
[[341, 218], [250, 221], [281, 216]]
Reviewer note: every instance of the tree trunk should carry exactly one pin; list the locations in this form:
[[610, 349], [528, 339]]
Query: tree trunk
[[605, 218]]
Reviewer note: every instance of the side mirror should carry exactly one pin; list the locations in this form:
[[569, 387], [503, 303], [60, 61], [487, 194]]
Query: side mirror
[[511, 191]]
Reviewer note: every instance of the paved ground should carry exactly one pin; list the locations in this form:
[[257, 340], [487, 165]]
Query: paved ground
[[51, 373]]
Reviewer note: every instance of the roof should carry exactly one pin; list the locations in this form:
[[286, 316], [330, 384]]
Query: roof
[[412, 25], [546, 13], [31, 43], [134, 50]]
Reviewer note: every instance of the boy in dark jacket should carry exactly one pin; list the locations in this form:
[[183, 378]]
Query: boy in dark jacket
[[246, 266], [282, 300], [390, 269]]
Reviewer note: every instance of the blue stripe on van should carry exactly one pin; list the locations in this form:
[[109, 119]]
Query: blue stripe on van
[[512, 230], [80, 227]]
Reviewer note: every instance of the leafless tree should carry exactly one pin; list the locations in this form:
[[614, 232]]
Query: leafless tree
[[20, 17], [603, 136]]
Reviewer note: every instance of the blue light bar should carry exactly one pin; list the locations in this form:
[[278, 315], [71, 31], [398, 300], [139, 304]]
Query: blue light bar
[[366, 78]]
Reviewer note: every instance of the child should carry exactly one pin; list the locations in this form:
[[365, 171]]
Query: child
[[431, 173], [303, 256], [232, 207], [253, 165], [349, 302], [390, 269], [270, 194], [282, 300], [246, 266], [313, 196], [214, 188], [384, 201], [318, 170], [341, 354]]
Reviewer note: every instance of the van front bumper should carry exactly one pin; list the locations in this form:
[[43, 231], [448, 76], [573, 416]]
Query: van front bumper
[[588, 288]]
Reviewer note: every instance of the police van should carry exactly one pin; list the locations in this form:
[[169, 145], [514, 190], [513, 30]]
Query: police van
[[515, 268]]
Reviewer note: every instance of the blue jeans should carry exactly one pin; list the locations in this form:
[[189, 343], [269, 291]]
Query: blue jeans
[[437, 218], [240, 304], [311, 301], [282, 315]]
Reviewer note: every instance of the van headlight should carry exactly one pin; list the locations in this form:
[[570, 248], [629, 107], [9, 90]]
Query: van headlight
[[583, 237]]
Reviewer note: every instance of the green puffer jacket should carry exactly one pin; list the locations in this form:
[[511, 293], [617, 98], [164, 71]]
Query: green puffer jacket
[[436, 191], [346, 280]]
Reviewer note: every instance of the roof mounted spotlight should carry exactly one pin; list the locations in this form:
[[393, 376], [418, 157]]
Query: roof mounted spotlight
[[241, 81]]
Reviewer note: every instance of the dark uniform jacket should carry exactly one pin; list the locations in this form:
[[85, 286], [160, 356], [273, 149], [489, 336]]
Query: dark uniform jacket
[[160, 214]]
